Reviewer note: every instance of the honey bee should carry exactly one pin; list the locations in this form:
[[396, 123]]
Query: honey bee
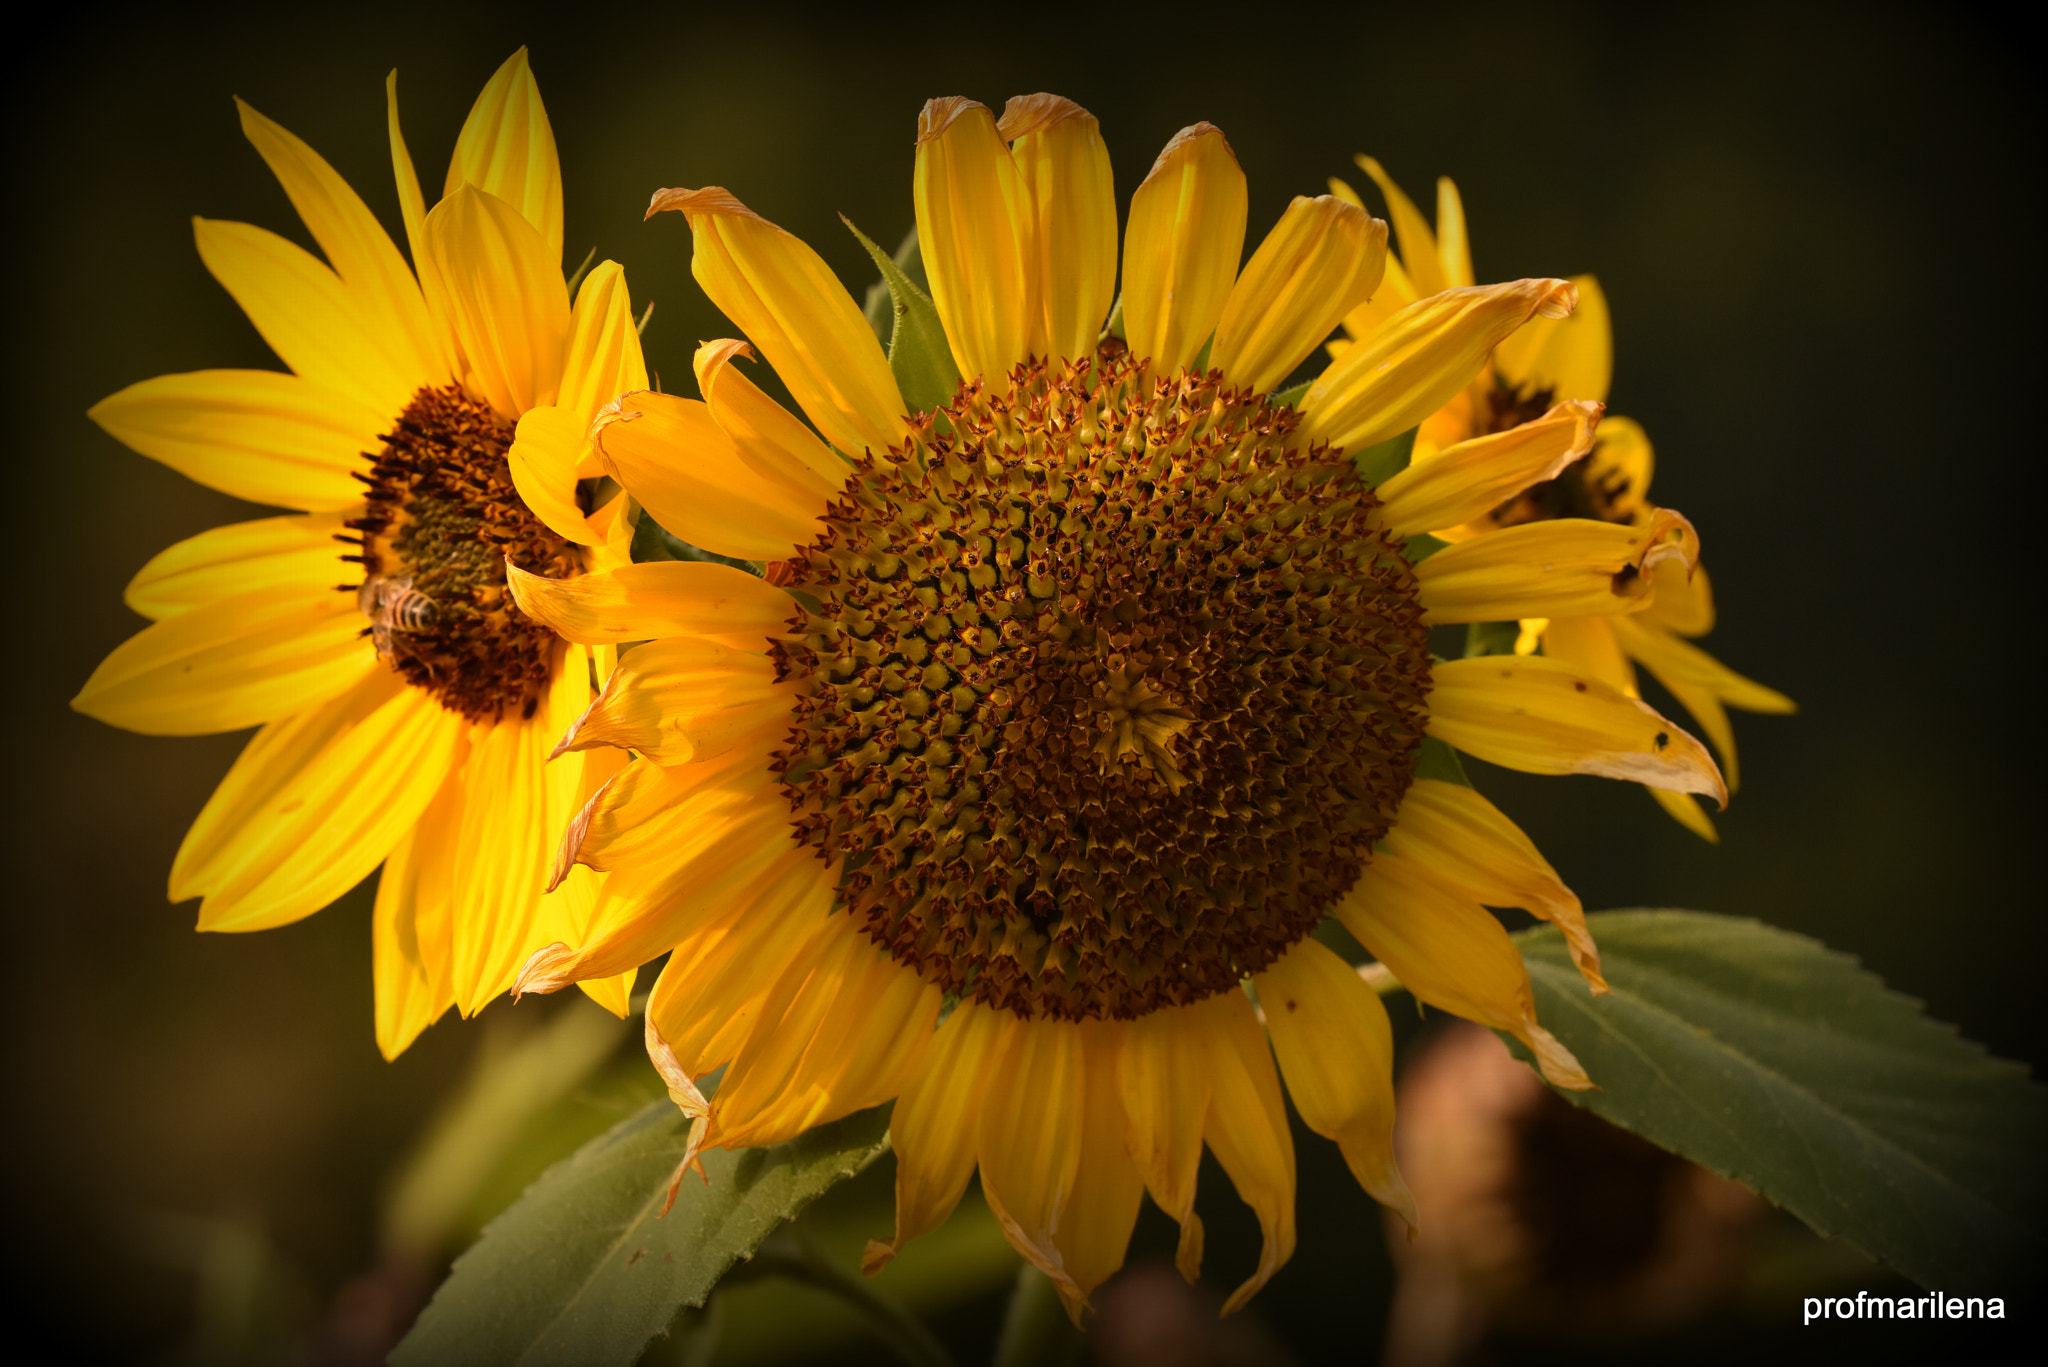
[[393, 605]]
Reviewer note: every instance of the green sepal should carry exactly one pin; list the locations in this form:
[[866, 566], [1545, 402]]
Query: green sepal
[[654, 542], [1291, 396], [576, 276], [1377, 464], [1491, 638], [1421, 547], [1201, 362], [1438, 760], [1114, 326], [919, 354]]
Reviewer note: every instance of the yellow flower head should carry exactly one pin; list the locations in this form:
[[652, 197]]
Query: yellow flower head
[[433, 425], [1076, 701], [1544, 389]]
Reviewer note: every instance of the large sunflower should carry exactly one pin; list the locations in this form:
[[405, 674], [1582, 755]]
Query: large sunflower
[[1544, 386], [432, 426], [1076, 703]]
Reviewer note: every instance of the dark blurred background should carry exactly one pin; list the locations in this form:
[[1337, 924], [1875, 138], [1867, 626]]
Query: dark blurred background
[[1821, 241]]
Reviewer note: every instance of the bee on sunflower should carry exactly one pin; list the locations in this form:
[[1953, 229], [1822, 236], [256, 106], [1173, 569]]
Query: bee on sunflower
[[1073, 701], [431, 429], [1545, 384]]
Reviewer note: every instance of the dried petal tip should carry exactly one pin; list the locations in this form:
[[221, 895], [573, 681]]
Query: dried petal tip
[[938, 115], [715, 200], [1028, 114], [1180, 140], [1558, 302], [545, 972]]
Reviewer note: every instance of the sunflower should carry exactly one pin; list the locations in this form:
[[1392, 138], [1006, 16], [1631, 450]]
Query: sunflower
[[1546, 385], [1068, 707], [431, 428]]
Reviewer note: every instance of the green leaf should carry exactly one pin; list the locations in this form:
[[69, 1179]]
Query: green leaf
[[1377, 464], [581, 1271], [1769, 1058], [919, 354]]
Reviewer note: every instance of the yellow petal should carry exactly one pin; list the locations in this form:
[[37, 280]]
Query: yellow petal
[[311, 320], [1682, 603], [1538, 716], [1572, 357], [409, 929], [545, 449], [491, 276], [507, 149], [1472, 846], [1686, 811], [664, 598], [770, 438], [787, 301], [1619, 468], [1679, 662], [1336, 1050], [357, 247], [838, 1034], [1396, 292], [287, 554], [1182, 246], [1102, 1207], [645, 807], [680, 700], [1390, 381], [1247, 1127], [255, 434], [1452, 248], [1027, 1139], [1590, 646], [975, 228], [934, 1126], [235, 662], [1563, 567], [1419, 255], [1165, 1090], [1063, 165], [604, 358], [1463, 483], [1450, 952], [307, 835], [1322, 259], [680, 464]]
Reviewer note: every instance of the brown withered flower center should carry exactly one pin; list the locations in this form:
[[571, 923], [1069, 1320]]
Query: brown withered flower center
[[443, 518], [1106, 688]]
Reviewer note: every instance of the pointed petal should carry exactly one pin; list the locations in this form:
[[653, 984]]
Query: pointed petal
[[1182, 246], [256, 434], [1336, 1050], [1679, 662], [1102, 1208], [1687, 812], [411, 949], [1572, 357], [680, 700], [491, 276], [1473, 847], [1563, 567], [1322, 260], [503, 856], [236, 662], [672, 456], [1540, 717], [784, 297], [283, 554], [308, 834], [360, 251], [1419, 255], [934, 1126], [1165, 1094], [770, 438], [507, 149], [1247, 1128], [1028, 1141], [1452, 248], [1390, 381], [1451, 952], [1063, 164], [663, 598], [975, 229], [604, 358], [1463, 483]]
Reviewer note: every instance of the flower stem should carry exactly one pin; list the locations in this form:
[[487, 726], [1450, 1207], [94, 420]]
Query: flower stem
[[797, 1259], [1036, 1330]]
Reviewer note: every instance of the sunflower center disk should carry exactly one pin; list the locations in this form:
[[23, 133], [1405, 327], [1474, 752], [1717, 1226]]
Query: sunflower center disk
[[1107, 687], [443, 518]]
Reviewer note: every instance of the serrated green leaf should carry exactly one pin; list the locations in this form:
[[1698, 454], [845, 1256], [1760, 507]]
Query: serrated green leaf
[[919, 354], [1379, 463], [1770, 1058], [579, 1271]]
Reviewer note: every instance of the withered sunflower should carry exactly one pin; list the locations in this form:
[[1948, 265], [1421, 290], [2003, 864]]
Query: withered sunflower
[[1545, 387], [431, 427], [1074, 703]]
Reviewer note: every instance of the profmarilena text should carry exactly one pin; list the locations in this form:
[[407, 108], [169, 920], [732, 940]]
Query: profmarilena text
[[1930, 1307]]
